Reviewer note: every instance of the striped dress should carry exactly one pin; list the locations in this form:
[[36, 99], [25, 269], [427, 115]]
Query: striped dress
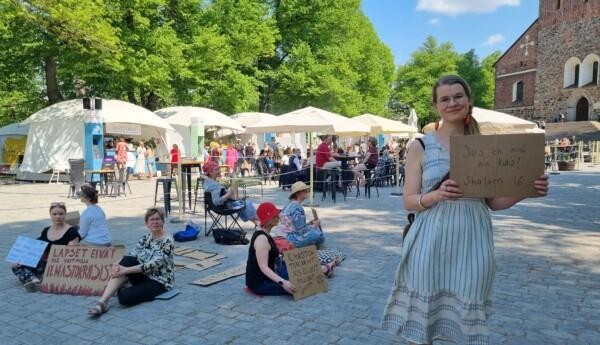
[[444, 280]]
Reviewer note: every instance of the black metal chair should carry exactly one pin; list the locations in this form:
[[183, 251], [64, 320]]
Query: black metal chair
[[221, 212]]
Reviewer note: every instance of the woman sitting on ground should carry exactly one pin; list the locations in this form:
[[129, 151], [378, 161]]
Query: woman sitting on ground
[[59, 233], [93, 229], [266, 272], [220, 195], [293, 225], [149, 268]]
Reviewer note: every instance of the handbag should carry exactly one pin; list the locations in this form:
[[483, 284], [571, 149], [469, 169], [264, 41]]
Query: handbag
[[411, 216]]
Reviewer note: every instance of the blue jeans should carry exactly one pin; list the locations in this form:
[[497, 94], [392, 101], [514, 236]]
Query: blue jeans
[[313, 236], [271, 288], [248, 212]]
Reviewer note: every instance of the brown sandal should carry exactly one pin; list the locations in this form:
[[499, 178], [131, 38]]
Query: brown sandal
[[97, 310]]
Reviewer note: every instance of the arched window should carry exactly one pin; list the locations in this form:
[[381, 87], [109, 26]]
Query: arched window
[[558, 4], [571, 73], [517, 94], [589, 70]]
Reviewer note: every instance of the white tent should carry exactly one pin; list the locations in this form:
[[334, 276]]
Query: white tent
[[381, 125], [56, 133], [311, 119], [180, 118], [13, 132]]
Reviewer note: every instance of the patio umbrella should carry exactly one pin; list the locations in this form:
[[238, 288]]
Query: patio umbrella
[[251, 118], [381, 125], [182, 116], [310, 119]]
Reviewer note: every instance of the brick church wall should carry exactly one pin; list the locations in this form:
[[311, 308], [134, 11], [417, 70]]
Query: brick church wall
[[572, 31], [515, 66]]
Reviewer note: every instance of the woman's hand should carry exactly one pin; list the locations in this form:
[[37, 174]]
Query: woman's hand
[[118, 271], [541, 185], [289, 287], [315, 222], [449, 190]]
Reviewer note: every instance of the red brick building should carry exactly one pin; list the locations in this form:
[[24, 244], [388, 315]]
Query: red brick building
[[552, 68]]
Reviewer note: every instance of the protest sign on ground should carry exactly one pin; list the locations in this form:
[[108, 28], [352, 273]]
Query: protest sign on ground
[[497, 165], [26, 251], [305, 271], [79, 270]]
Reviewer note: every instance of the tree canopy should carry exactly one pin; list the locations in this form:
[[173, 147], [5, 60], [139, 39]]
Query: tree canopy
[[229, 55]]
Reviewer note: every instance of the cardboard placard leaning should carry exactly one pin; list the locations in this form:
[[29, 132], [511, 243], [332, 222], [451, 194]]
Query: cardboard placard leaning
[[503, 165], [79, 270], [305, 272]]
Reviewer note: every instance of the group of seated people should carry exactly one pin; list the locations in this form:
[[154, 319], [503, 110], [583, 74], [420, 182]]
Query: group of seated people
[[92, 230]]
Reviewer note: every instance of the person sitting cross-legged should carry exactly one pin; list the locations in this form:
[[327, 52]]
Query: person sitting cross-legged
[[149, 268], [293, 225]]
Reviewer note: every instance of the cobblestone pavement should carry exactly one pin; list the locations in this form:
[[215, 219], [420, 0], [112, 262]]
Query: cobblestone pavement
[[547, 289]]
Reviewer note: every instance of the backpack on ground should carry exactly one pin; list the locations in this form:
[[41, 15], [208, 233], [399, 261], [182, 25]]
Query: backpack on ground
[[230, 237]]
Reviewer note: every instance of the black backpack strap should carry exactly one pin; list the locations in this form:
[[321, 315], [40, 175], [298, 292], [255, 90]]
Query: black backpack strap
[[421, 142]]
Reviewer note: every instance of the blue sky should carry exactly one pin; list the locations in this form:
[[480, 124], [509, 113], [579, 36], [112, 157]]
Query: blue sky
[[483, 25]]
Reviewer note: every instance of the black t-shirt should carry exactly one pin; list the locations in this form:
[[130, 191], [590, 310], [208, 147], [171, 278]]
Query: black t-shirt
[[254, 276], [71, 234]]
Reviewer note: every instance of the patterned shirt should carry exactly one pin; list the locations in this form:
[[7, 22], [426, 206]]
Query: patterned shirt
[[294, 212], [156, 257]]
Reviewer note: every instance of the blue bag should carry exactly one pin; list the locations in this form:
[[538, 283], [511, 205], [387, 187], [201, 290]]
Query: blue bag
[[189, 234]]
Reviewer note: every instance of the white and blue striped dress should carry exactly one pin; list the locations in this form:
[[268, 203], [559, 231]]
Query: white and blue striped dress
[[444, 280]]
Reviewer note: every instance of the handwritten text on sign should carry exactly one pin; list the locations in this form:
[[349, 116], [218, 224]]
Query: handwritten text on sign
[[79, 270], [497, 165], [26, 251], [305, 272]]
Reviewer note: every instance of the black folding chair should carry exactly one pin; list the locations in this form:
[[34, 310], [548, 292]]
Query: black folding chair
[[221, 212]]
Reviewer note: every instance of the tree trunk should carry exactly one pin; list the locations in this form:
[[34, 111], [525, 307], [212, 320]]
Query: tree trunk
[[131, 97], [52, 90], [151, 102]]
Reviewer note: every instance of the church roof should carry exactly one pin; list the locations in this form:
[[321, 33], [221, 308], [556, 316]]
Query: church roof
[[515, 42]]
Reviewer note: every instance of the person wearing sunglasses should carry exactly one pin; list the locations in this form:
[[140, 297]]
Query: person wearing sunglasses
[[59, 233]]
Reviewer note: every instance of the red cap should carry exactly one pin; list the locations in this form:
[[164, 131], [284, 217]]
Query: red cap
[[265, 212], [209, 166]]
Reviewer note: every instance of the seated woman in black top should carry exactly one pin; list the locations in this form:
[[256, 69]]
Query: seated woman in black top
[[59, 233], [266, 273]]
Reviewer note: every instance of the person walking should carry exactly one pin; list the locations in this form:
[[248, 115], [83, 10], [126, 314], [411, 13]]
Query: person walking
[[444, 280]]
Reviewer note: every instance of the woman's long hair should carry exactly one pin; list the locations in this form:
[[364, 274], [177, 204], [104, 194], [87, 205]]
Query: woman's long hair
[[472, 127]]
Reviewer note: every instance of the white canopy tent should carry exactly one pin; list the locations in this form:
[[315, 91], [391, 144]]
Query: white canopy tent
[[180, 118], [56, 133], [381, 125]]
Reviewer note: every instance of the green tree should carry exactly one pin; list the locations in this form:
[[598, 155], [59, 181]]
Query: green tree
[[414, 80], [489, 79]]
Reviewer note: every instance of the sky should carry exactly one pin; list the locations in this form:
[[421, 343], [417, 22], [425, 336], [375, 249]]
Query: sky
[[483, 25]]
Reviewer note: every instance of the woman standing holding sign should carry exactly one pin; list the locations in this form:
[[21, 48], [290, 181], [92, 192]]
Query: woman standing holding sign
[[444, 280], [149, 268], [59, 233]]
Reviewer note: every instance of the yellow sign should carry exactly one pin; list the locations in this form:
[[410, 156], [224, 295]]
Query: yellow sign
[[13, 147]]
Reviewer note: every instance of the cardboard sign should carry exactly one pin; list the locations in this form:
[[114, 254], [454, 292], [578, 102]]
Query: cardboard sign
[[305, 271], [79, 270], [26, 251], [497, 165], [219, 277]]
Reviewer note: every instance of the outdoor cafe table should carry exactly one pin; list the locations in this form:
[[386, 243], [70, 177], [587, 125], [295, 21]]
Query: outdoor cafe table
[[104, 176], [186, 169]]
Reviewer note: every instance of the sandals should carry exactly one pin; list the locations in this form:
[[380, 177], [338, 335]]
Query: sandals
[[32, 286], [97, 310]]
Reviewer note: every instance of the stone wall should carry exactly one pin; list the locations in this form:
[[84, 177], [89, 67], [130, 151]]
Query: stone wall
[[522, 112], [515, 66], [557, 43]]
